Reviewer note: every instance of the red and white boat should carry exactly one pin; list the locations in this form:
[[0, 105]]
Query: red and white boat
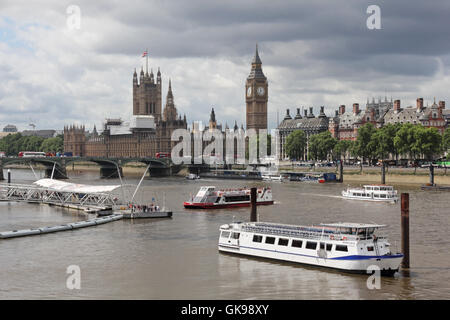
[[211, 198]]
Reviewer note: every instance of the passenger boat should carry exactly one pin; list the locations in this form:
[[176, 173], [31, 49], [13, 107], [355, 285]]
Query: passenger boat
[[145, 212], [350, 247], [212, 198], [269, 177], [192, 176], [372, 193]]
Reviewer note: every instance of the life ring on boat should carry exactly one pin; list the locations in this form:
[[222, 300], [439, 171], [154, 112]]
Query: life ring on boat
[[344, 238], [331, 237]]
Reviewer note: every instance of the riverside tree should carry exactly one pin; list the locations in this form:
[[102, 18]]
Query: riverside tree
[[363, 146], [446, 140], [296, 144], [341, 148], [321, 145]]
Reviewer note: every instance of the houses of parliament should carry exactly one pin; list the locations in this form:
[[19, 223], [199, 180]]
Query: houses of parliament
[[151, 126]]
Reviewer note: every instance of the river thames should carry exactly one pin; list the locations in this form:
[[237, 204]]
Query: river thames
[[178, 258]]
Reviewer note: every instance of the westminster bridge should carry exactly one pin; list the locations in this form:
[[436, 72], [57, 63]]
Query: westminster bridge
[[109, 167]]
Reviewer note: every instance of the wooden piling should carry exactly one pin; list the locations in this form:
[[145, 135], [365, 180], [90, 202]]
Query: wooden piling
[[431, 175], [383, 172], [253, 217], [341, 171], [405, 228]]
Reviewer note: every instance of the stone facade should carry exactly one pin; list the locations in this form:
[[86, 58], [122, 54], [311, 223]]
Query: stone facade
[[432, 116], [344, 125], [309, 123], [75, 140], [148, 133]]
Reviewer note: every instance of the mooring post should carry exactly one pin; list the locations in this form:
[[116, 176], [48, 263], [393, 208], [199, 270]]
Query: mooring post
[[253, 217], [341, 171], [405, 229], [431, 174], [383, 172], [9, 176]]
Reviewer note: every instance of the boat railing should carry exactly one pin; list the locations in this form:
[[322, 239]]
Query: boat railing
[[305, 234]]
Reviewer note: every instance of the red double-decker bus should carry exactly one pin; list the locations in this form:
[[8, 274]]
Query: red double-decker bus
[[162, 155]]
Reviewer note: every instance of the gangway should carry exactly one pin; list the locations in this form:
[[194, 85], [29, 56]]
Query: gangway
[[57, 192]]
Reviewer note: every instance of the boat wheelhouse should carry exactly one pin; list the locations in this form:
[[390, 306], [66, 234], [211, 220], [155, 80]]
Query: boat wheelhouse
[[351, 247], [208, 197], [372, 193]]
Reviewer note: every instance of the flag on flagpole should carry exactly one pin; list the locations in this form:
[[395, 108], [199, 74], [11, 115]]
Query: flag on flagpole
[[145, 53]]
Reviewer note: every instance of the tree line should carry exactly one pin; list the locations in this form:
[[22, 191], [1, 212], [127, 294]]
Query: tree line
[[12, 144], [392, 140]]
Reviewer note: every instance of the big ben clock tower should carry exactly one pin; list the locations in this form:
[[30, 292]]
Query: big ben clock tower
[[256, 96]]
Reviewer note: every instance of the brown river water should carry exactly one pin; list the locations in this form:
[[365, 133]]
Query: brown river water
[[178, 258]]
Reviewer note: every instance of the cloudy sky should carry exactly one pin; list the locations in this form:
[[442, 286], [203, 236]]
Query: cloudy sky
[[313, 52]]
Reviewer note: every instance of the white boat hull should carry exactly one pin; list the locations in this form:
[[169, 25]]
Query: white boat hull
[[347, 196], [358, 264]]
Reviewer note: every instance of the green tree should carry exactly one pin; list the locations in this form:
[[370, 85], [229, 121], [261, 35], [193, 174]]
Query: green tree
[[296, 144], [382, 141], [446, 140], [341, 148], [11, 144], [321, 145], [363, 146], [55, 144], [428, 142]]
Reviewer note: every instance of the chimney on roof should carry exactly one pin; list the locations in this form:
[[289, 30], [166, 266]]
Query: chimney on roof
[[342, 109], [305, 112], [310, 115], [356, 108], [288, 116], [396, 106], [298, 115], [322, 112], [419, 104]]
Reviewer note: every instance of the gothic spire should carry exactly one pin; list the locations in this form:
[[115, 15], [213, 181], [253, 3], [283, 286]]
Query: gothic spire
[[256, 59]]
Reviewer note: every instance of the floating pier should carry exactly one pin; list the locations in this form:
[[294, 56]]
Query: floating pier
[[63, 227]]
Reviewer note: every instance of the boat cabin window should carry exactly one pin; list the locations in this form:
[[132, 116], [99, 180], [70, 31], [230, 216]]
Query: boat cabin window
[[322, 245], [237, 198], [297, 243], [257, 238], [270, 240], [370, 248], [225, 234], [311, 245], [283, 242], [235, 235], [329, 246], [341, 248]]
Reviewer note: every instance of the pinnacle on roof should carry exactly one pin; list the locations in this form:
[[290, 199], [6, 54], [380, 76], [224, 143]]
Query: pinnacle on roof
[[256, 59]]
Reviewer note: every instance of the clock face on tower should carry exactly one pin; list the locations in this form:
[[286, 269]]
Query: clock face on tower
[[249, 91], [260, 91]]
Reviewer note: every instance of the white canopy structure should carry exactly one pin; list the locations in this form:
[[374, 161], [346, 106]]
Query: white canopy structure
[[59, 192], [63, 186]]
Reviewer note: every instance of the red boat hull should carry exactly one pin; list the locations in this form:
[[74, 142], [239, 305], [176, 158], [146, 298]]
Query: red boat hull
[[191, 205]]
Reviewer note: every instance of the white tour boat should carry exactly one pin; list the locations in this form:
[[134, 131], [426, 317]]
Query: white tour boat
[[374, 192], [192, 176], [269, 177], [212, 198], [351, 247]]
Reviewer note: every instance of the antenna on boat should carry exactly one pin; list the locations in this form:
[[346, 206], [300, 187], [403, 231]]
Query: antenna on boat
[[121, 184], [34, 172], [139, 184], [53, 171]]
